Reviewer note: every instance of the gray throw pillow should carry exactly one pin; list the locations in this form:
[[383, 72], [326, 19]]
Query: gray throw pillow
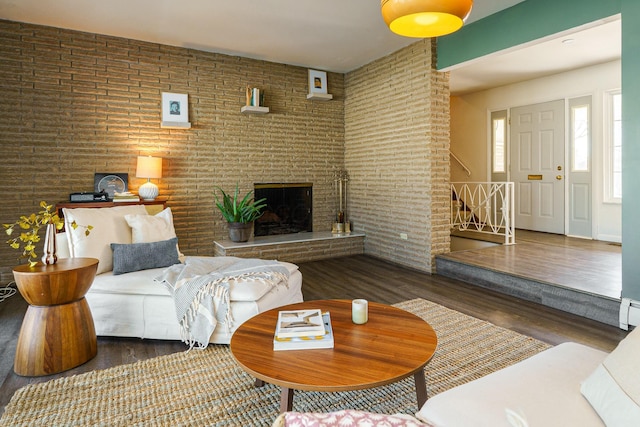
[[143, 256]]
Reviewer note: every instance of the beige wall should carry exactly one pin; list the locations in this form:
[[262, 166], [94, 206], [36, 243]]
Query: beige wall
[[74, 104], [397, 155]]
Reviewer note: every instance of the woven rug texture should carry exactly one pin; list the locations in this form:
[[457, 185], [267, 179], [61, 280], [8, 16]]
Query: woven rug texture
[[207, 388]]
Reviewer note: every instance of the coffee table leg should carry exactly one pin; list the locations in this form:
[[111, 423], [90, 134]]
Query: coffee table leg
[[259, 383], [421, 387], [286, 399]]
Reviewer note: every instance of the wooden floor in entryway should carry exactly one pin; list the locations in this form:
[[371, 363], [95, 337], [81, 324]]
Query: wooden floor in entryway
[[587, 265]]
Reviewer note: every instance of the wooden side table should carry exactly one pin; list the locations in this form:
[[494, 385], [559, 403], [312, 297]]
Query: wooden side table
[[57, 332]]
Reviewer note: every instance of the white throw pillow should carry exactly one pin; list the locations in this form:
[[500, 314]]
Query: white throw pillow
[[109, 226], [613, 389], [152, 228]]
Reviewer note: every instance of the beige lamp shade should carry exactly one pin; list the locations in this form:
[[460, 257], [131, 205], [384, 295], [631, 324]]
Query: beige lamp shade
[[149, 167], [425, 18]]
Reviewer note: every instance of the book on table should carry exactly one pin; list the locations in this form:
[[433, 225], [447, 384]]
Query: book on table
[[307, 342], [299, 323], [125, 197]]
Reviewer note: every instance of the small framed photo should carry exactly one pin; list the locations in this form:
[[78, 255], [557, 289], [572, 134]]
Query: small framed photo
[[175, 107], [317, 81]]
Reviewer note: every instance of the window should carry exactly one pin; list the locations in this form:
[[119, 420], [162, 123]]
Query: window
[[613, 138], [580, 138], [499, 141]]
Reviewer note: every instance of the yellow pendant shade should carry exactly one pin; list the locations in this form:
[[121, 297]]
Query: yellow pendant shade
[[425, 18]]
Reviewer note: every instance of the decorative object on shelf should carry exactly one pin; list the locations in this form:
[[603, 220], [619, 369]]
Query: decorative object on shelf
[[342, 224], [239, 214], [149, 167], [30, 227], [255, 102], [110, 183], [318, 86], [425, 18], [175, 111]]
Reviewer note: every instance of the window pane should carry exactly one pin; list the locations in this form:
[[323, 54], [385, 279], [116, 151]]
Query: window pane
[[580, 134], [617, 147], [499, 163]]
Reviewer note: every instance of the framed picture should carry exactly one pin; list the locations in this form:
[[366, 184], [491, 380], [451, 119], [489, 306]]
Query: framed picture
[[175, 107], [317, 81], [111, 183]]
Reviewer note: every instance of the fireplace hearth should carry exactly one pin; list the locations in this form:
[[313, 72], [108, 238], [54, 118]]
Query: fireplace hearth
[[288, 210]]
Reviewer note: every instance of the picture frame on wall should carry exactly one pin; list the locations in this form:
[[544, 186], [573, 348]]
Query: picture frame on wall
[[317, 81], [175, 110]]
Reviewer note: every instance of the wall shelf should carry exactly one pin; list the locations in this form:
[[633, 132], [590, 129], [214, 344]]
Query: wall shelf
[[175, 125], [251, 109], [320, 96]]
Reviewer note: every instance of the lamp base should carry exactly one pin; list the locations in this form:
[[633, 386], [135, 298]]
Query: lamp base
[[148, 191]]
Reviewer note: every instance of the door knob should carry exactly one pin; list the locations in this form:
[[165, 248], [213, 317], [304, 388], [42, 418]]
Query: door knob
[[559, 177]]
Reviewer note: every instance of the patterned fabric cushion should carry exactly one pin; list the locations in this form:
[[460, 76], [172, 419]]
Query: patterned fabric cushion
[[344, 418]]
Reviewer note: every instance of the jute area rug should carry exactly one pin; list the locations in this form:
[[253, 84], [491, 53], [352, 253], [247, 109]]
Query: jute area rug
[[207, 388]]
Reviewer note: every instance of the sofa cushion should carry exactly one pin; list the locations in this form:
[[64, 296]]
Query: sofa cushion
[[613, 389], [152, 228], [109, 226], [543, 389], [347, 417], [144, 256], [142, 283]]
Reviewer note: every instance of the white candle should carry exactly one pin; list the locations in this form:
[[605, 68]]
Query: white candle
[[359, 311]]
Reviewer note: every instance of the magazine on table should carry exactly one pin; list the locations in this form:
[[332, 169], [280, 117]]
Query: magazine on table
[[299, 323], [324, 340]]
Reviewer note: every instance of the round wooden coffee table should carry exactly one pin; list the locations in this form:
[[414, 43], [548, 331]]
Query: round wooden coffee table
[[57, 332], [392, 345]]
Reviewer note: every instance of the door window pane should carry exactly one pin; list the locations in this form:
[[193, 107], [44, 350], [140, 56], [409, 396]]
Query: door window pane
[[499, 152], [580, 138]]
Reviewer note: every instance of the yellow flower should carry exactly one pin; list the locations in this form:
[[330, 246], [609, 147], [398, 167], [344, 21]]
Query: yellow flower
[[32, 224]]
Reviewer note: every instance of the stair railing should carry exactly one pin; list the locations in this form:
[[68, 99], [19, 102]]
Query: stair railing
[[484, 207], [466, 169]]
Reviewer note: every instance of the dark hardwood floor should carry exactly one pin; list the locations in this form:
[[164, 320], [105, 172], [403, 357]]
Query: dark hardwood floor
[[349, 277]]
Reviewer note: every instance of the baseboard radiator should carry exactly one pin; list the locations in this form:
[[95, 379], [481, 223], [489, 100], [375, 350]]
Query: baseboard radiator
[[629, 313]]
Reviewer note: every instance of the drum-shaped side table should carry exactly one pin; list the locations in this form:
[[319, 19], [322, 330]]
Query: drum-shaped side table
[[57, 332]]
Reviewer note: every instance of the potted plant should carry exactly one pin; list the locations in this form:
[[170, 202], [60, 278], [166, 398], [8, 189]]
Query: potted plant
[[239, 213], [30, 227]]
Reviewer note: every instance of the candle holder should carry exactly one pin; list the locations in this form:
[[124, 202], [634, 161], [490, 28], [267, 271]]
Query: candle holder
[[341, 224]]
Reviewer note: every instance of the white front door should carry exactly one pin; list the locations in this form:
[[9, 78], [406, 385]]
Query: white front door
[[537, 166]]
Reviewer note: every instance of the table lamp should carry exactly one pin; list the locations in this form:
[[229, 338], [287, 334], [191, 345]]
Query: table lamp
[[148, 167]]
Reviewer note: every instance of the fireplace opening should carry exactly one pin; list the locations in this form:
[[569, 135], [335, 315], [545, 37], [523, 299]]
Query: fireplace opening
[[288, 210]]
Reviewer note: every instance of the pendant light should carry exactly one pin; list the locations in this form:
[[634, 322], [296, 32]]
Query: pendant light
[[425, 18]]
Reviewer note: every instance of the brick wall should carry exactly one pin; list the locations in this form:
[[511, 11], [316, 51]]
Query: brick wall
[[397, 155], [75, 103]]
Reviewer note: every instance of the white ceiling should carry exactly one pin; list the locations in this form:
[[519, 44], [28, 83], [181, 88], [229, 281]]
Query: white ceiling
[[591, 44], [332, 35]]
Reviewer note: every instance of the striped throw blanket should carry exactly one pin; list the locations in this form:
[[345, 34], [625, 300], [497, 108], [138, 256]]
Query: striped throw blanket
[[201, 291]]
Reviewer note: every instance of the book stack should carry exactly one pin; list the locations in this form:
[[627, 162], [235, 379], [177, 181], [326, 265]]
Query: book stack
[[303, 330], [125, 197]]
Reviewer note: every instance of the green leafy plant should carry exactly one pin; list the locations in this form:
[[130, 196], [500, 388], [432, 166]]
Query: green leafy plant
[[30, 227], [235, 209]]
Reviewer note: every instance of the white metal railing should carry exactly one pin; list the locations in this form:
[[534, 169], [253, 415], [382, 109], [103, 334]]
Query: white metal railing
[[484, 207]]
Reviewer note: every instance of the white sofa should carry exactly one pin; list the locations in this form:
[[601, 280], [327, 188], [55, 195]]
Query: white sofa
[[132, 304], [570, 385]]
